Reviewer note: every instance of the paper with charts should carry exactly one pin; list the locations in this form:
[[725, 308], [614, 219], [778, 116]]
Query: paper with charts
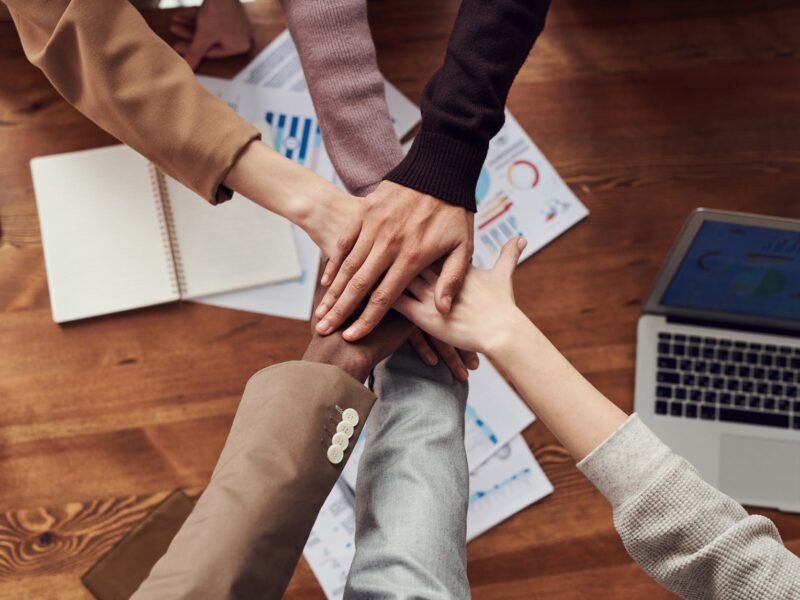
[[520, 193], [500, 484]]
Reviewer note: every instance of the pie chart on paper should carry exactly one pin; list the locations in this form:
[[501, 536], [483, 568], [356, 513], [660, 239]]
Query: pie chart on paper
[[523, 174]]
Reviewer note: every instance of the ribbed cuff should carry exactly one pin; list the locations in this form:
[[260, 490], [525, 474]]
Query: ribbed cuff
[[443, 167], [627, 461]]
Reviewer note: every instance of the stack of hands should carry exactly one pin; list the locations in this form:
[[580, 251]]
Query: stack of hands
[[376, 245], [480, 319], [395, 234]]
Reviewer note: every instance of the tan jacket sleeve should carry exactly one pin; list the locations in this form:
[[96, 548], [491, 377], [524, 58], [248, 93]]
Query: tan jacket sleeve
[[249, 527], [105, 60]]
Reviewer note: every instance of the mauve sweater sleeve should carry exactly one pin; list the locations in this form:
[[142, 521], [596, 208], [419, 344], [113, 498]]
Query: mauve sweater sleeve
[[463, 104], [336, 50], [104, 60]]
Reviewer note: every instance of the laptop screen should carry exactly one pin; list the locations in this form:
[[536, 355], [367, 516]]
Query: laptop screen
[[739, 269]]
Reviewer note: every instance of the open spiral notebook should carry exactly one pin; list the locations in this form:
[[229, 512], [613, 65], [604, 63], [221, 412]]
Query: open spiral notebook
[[118, 234]]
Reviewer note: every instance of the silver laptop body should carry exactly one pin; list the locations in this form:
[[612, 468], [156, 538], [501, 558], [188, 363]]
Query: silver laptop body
[[718, 354]]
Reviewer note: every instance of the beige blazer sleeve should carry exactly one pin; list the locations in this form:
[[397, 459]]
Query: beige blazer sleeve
[[249, 527], [103, 58]]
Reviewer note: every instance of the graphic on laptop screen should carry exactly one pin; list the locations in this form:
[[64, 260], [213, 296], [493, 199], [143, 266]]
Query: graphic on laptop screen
[[740, 269]]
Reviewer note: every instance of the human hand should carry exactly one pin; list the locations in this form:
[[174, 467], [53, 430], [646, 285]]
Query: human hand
[[217, 29], [359, 358], [330, 214], [430, 350], [483, 315], [398, 233]]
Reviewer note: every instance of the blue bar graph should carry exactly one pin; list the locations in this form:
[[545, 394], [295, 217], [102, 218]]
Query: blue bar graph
[[293, 137]]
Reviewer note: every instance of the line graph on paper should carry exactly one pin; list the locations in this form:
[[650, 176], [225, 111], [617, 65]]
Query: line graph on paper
[[508, 482], [502, 485], [479, 438]]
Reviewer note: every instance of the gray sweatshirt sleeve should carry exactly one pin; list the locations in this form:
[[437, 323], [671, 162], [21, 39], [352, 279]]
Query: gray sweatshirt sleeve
[[685, 534]]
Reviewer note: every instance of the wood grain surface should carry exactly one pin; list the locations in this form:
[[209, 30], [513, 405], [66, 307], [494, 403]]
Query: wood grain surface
[[647, 109]]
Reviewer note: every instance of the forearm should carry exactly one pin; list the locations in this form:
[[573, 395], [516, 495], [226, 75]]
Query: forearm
[[292, 191], [577, 414], [686, 534], [338, 57], [104, 59], [249, 526], [463, 104]]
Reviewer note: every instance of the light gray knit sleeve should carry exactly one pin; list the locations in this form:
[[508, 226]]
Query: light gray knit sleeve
[[687, 535]]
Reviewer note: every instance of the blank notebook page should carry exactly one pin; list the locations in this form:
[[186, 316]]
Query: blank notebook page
[[233, 245], [103, 245]]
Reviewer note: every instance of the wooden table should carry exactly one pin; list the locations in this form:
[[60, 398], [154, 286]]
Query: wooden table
[[646, 109]]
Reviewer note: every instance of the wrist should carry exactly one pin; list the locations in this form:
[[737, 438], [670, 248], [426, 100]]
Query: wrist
[[516, 331], [350, 361], [275, 182]]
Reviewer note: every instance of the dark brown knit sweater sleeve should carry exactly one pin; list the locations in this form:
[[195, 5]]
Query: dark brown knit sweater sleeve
[[463, 103]]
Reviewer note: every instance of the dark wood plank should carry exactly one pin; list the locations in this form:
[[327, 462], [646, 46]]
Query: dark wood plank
[[647, 110]]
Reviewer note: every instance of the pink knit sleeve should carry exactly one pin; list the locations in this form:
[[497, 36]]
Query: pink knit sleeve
[[338, 58]]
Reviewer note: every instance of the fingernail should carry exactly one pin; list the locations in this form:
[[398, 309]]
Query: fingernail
[[351, 331], [473, 363], [431, 360], [521, 243], [462, 373], [321, 310], [324, 280], [324, 326], [447, 301]]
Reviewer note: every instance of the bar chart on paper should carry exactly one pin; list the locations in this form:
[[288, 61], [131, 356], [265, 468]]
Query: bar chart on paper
[[296, 137]]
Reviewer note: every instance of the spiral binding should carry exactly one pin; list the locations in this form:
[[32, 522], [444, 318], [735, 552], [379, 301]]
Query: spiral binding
[[166, 223]]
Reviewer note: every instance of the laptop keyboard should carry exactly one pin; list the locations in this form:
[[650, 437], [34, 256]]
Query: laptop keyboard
[[725, 380]]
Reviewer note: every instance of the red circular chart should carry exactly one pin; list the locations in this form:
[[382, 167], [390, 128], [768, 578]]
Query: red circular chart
[[523, 174]]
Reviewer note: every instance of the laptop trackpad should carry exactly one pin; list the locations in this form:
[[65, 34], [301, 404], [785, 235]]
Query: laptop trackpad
[[760, 469]]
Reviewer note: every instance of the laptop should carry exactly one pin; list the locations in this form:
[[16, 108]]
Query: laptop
[[718, 354]]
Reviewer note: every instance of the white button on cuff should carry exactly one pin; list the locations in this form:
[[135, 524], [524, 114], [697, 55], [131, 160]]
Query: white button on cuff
[[341, 440], [335, 454], [346, 428], [351, 416]]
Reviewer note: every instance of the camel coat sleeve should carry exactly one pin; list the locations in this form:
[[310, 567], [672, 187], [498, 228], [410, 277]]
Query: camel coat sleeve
[[103, 58], [245, 535]]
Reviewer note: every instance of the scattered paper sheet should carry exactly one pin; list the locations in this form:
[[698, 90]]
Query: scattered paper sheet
[[508, 482], [505, 484], [520, 193], [278, 67], [494, 415], [332, 544]]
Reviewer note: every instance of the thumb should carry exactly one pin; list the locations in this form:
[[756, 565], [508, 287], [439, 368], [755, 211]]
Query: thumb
[[197, 50], [509, 256]]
